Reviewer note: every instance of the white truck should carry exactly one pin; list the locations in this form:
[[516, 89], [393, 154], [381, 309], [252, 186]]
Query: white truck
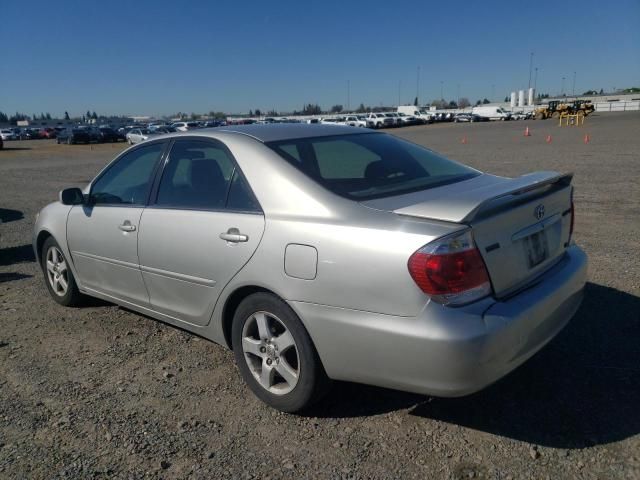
[[379, 120], [413, 111], [355, 120], [491, 112]]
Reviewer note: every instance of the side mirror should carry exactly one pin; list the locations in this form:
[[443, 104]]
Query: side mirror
[[71, 196]]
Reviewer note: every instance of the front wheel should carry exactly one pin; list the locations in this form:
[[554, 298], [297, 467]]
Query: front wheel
[[275, 354], [58, 276]]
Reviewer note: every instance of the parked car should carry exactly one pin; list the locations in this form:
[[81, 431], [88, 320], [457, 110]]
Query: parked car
[[411, 110], [406, 120], [521, 115], [379, 120], [71, 136], [47, 132], [184, 126], [7, 134], [355, 121], [319, 253], [108, 134], [333, 121], [491, 112], [466, 117], [138, 135], [396, 122], [163, 130]]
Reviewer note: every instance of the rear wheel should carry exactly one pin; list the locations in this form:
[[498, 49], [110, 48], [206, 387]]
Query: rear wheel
[[58, 276], [275, 354]]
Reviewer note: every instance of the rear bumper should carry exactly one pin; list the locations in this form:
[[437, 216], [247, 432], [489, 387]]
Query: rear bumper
[[447, 351]]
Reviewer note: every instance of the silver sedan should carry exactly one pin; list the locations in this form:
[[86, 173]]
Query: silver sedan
[[321, 252], [137, 135]]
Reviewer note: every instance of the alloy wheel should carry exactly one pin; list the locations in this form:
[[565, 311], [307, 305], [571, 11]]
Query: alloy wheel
[[57, 271], [271, 353]]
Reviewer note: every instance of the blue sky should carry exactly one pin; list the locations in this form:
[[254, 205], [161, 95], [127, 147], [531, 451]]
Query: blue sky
[[160, 57]]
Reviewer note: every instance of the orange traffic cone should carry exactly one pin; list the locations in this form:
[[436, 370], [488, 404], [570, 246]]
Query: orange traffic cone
[[526, 132], [587, 138], [548, 138], [464, 140]]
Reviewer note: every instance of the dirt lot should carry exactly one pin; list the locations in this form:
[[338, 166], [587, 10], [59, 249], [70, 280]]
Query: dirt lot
[[101, 392]]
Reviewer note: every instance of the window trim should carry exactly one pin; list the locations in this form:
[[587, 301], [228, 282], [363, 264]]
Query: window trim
[[154, 174], [153, 195]]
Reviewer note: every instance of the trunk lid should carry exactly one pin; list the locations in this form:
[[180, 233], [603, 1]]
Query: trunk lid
[[521, 226]]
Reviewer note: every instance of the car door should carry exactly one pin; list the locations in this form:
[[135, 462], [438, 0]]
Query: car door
[[200, 229], [103, 233]]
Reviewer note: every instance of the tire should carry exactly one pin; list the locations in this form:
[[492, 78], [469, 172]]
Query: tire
[[57, 274], [304, 381]]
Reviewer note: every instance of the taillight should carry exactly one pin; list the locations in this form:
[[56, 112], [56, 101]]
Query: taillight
[[451, 270]]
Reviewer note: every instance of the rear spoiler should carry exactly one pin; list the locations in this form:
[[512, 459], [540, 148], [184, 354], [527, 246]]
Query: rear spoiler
[[465, 206]]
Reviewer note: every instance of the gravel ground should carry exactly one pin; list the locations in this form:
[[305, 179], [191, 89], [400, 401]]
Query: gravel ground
[[100, 392]]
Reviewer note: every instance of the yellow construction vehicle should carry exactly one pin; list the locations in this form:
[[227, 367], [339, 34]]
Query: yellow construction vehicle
[[582, 106], [554, 109]]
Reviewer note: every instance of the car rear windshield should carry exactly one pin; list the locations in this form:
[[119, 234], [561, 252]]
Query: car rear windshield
[[367, 166]]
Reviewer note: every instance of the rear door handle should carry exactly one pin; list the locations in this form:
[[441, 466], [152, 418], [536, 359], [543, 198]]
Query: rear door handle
[[127, 227], [233, 235]]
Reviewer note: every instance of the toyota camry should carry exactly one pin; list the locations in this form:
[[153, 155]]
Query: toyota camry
[[324, 252]]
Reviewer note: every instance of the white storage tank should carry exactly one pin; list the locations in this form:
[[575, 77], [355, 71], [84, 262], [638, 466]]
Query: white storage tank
[[531, 95], [513, 99], [521, 98]]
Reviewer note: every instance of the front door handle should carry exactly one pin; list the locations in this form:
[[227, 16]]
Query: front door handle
[[127, 227], [234, 235]]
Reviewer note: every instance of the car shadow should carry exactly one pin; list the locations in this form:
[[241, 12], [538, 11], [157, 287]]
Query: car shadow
[[582, 389], [14, 148], [13, 255], [11, 276], [7, 215]]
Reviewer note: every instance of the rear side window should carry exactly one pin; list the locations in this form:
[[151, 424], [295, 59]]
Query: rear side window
[[198, 175], [240, 195], [203, 176], [366, 166], [127, 181]]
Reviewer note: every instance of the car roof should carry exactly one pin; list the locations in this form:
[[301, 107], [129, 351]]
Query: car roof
[[288, 131]]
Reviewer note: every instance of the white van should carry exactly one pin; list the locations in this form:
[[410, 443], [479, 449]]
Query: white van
[[413, 111], [491, 112]]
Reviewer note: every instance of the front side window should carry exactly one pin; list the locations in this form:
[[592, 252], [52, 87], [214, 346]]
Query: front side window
[[366, 166], [197, 176], [128, 180]]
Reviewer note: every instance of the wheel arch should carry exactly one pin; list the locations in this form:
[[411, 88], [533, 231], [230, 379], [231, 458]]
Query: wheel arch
[[231, 305], [42, 237]]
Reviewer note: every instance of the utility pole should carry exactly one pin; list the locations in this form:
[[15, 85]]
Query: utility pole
[[348, 95], [573, 89], [530, 67], [535, 79], [418, 86], [562, 91]]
